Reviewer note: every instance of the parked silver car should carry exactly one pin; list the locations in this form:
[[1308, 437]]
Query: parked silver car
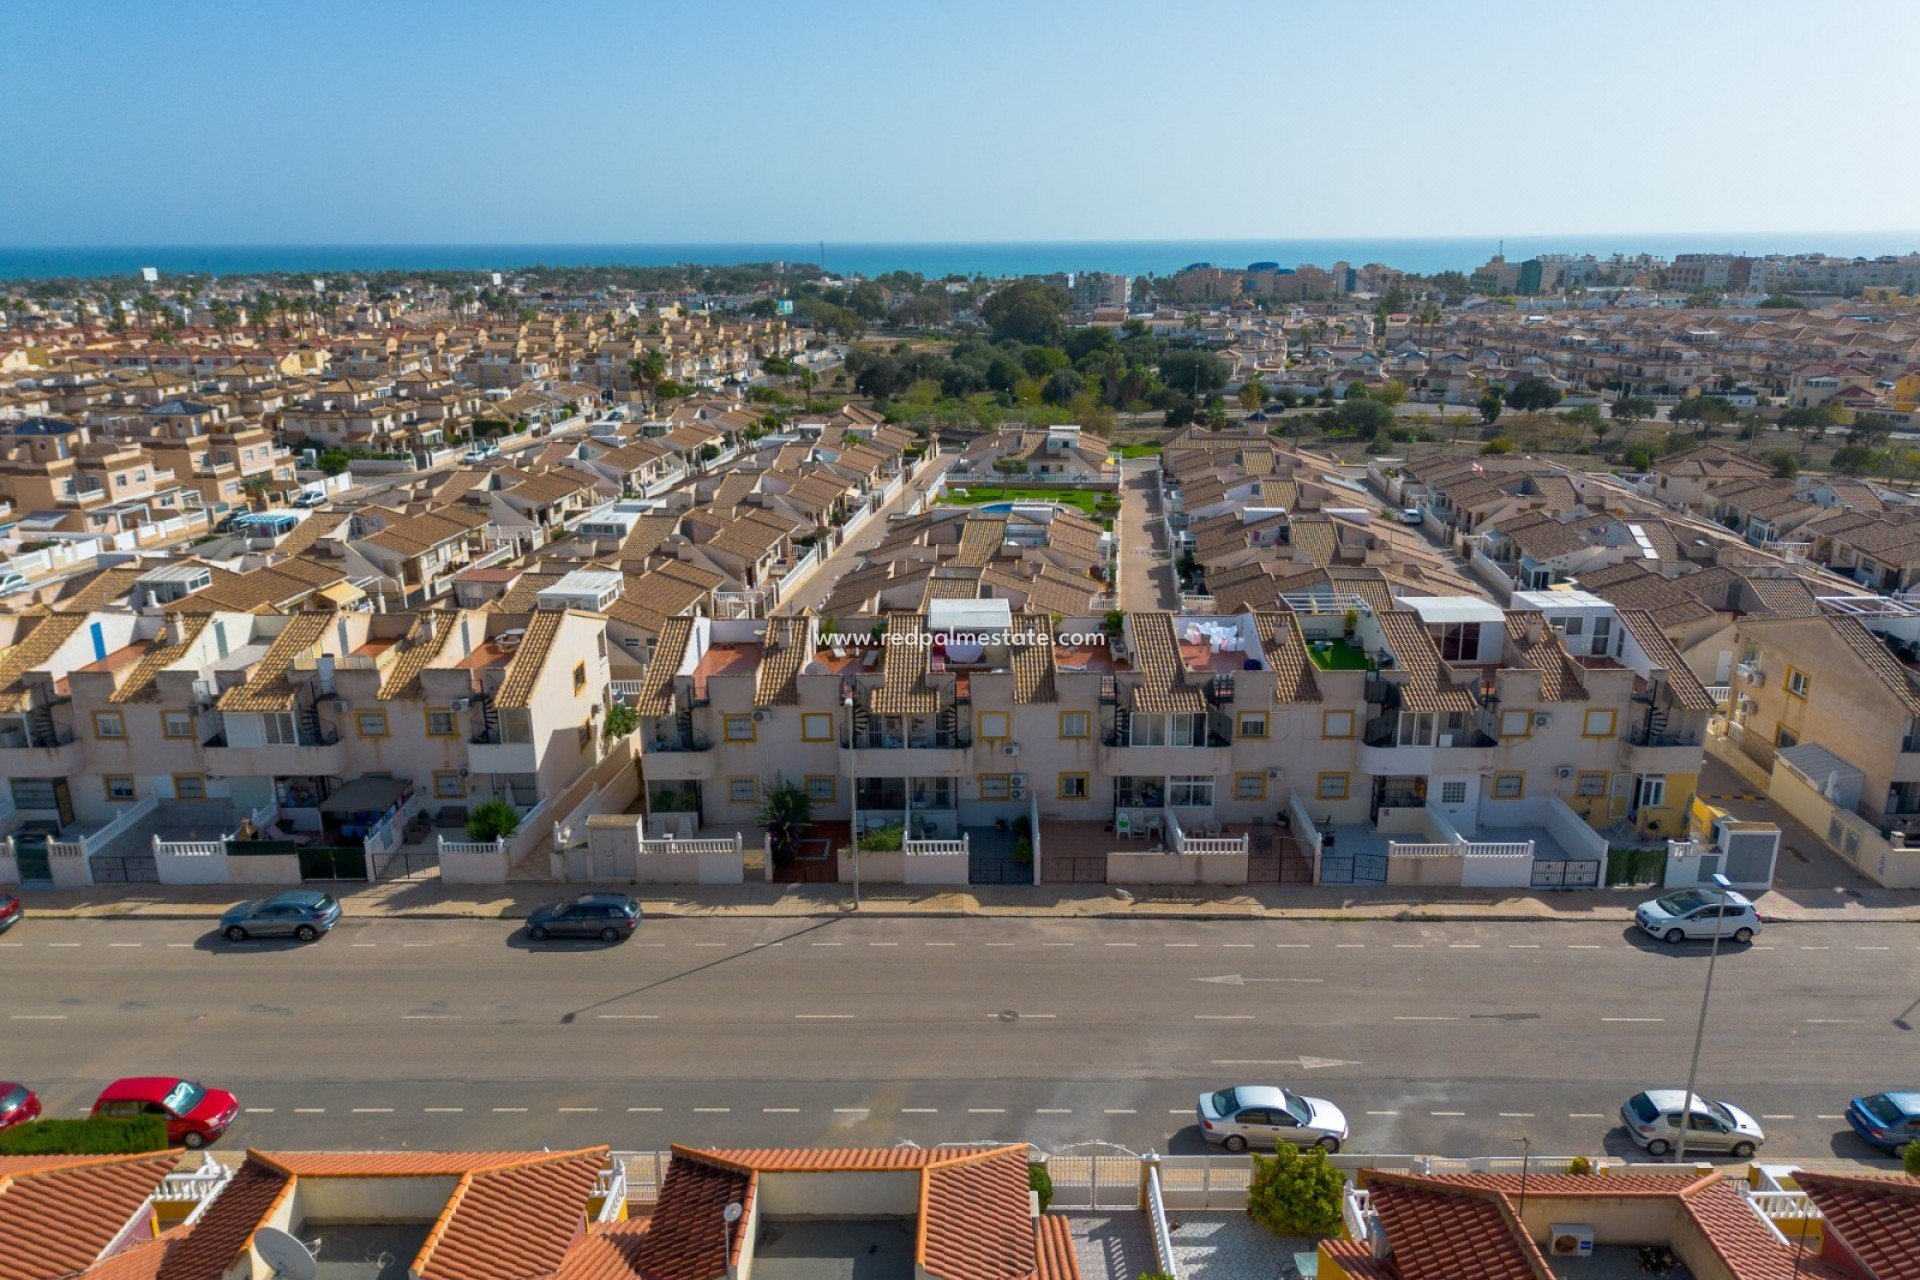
[[299, 913], [1264, 1115], [1653, 1121], [1697, 914]]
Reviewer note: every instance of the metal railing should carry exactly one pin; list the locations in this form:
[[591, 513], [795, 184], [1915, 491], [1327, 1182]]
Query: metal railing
[[1157, 1216]]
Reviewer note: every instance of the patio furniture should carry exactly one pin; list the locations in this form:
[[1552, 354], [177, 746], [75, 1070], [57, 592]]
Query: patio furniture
[[1155, 826], [1123, 826], [1211, 827]]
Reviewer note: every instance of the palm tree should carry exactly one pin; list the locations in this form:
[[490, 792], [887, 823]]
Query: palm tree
[[647, 370]]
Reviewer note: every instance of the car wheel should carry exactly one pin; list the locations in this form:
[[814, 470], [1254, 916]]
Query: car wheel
[[609, 934], [1674, 935], [1328, 1144], [1235, 1143], [194, 1141], [1742, 1150], [1743, 936], [1659, 1147], [306, 933], [236, 934], [538, 933]]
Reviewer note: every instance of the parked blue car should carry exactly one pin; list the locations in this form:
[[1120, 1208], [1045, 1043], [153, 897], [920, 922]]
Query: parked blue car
[[1887, 1120], [300, 913]]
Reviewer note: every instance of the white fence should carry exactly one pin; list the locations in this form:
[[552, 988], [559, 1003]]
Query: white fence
[[1302, 829], [88, 845], [1157, 1217]]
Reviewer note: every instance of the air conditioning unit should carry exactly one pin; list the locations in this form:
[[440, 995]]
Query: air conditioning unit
[[1010, 749], [1017, 781], [1752, 674], [1274, 775], [1564, 772], [1017, 793], [460, 704], [1748, 705], [759, 716], [465, 772], [1568, 1240], [1541, 719]]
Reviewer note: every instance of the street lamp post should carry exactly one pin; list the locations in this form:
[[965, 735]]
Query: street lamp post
[[1700, 1031], [853, 787]]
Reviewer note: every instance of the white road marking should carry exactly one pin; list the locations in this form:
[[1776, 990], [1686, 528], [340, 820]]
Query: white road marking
[[1804, 947], [63, 944], [940, 944], [578, 1109], [1463, 946], [259, 1111], [142, 944], [38, 1017], [505, 1110], [919, 1111], [652, 1111], [628, 1017], [1633, 1019], [823, 1017], [780, 1111], [1120, 944], [1831, 1021], [1873, 948], [1583, 946], [1516, 1115], [1409, 946], [823, 944], [883, 944], [1002, 944], [310, 1111], [1777, 1115], [1523, 946], [1059, 1111], [1295, 945], [1236, 944], [429, 1017], [1129, 1111], [445, 1110], [1350, 946], [1586, 1115], [1025, 1016], [851, 1111], [1179, 944], [1423, 1017], [416, 944], [188, 944], [363, 944], [1223, 1017], [709, 944], [986, 1111], [1383, 1113], [369, 1111], [1446, 1113], [1829, 1117], [711, 1111], [1056, 944]]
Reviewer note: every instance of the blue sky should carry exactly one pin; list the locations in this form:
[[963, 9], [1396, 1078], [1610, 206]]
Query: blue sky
[[209, 121]]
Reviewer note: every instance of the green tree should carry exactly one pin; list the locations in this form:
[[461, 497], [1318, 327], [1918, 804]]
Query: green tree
[[1253, 394], [621, 720], [494, 820], [1026, 310], [1910, 1159], [1811, 421], [1193, 372], [1532, 395], [786, 811], [1296, 1193], [1853, 459], [1389, 393], [648, 370], [1629, 409], [1490, 406], [1062, 387], [1785, 467]]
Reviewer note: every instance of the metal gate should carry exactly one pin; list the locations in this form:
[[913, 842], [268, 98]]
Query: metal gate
[[1092, 1176], [35, 866], [1060, 868], [136, 868], [333, 862], [1567, 873]]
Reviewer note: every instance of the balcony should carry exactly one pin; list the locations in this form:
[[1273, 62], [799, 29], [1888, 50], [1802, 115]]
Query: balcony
[[55, 754], [678, 758], [317, 755], [1119, 755], [488, 752], [1663, 752], [910, 755]]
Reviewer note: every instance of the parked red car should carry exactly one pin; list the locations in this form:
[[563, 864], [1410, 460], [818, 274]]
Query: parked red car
[[18, 1104], [10, 911], [195, 1114]]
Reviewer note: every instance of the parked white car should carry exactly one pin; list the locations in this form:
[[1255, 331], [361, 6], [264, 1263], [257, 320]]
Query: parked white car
[[1265, 1116], [1694, 914], [12, 583], [1411, 515], [1653, 1120]]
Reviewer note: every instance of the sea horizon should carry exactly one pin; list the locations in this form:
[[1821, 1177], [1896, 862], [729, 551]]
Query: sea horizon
[[1423, 255]]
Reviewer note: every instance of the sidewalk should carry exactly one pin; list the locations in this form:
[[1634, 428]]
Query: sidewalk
[[429, 899]]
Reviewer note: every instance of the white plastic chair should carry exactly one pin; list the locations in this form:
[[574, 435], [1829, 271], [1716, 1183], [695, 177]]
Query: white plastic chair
[[1123, 826]]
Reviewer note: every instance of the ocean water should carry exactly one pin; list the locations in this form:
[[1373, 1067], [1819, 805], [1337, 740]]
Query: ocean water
[[1001, 258]]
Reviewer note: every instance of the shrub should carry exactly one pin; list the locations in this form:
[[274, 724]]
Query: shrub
[[886, 839], [786, 811], [1497, 445], [1579, 1165], [494, 820], [94, 1136], [621, 721], [1038, 1179], [1296, 1193], [1910, 1158]]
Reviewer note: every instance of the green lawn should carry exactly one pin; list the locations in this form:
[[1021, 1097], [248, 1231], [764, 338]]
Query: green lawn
[[1086, 501], [1340, 657], [1135, 450]]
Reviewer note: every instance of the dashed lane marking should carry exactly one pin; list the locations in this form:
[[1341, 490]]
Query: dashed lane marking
[[780, 1111], [986, 1111], [1516, 1115], [320, 1111], [1059, 1111], [507, 1110], [373, 1111], [823, 1017], [565, 1110], [919, 1111], [444, 1110], [1633, 1019], [1383, 1113], [711, 1111], [1424, 1017], [1446, 1113]]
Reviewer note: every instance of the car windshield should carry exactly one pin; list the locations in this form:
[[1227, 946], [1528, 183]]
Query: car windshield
[[1223, 1103], [1881, 1108], [1718, 1110], [12, 1100], [1679, 904], [183, 1097], [1642, 1106], [324, 902], [1298, 1107]]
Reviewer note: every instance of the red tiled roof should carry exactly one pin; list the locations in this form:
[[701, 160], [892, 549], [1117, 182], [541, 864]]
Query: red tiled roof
[[684, 1239], [1877, 1220], [1053, 1249], [513, 1223], [215, 1241], [609, 1251], [56, 1217], [975, 1218], [1444, 1231]]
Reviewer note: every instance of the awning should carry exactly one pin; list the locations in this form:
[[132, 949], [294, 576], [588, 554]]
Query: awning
[[366, 795], [342, 593]]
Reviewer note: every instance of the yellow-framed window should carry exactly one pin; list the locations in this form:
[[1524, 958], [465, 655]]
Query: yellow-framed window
[[1509, 786], [1591, 785], [821, 787], [1598, 723], [370, 724], [109, 724], [995, 726], [1516, 722], [743, 790], [579, 676], [1336, 724], [740, 728], [442, 722], [449, 785], [1249, 786], [1798, 682], [1331, 786], [190, 786], [176, 724], [816, 726], [1252, 724], [995, 786], [1074, 786], [119, 788], [1075, 724]]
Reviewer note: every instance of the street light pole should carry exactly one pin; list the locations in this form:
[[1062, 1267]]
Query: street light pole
[[853, 784], [1700, 1031]]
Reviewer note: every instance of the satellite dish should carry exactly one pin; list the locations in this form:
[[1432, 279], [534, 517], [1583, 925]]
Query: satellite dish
[[731, 1214], [290, 1259]]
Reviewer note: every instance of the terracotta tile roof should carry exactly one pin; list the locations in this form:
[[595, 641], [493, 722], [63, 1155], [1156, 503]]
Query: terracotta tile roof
[[1686, 686], [513, 1223], [1162, 685], [424, 642], [215, 1242], [1748, 1246], [309, 531], [687, 1238], [516, 687], [609, 1251], [1033, 663], [1426, 690], [25, 654], [1531, 643], [1875, 1219], [1054, 1256], [1633, 586], [57, 1218], [397, 1164], [903, 687], [782, 655], [138, 685], [1286, 654], [669, 651], [102, 589], [1442, 1231], [980, 541], [269, 685], [975, 1218]]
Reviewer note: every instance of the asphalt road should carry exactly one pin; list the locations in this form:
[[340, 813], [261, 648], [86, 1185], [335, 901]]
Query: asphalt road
[[1452, 1039]]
